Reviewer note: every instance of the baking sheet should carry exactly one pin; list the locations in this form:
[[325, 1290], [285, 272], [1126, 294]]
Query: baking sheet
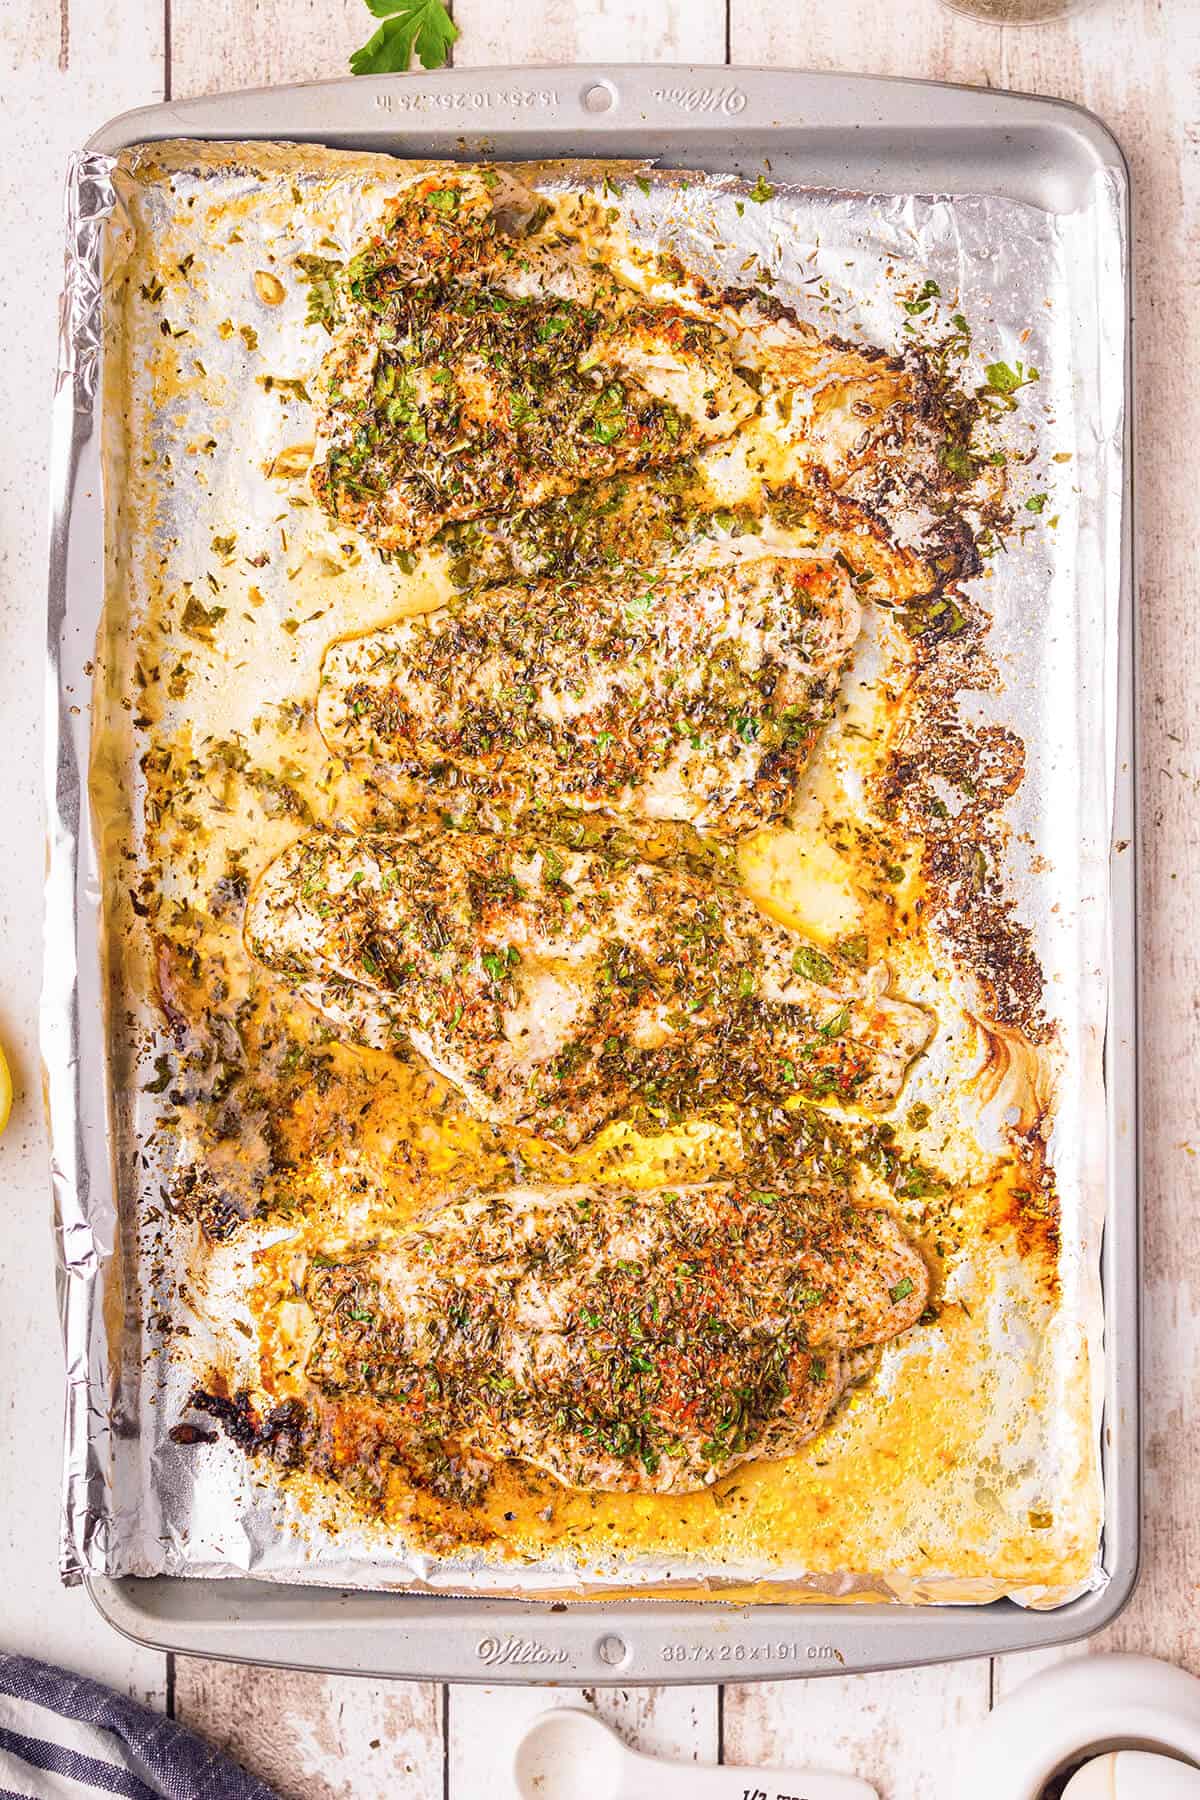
[[126, 1503]]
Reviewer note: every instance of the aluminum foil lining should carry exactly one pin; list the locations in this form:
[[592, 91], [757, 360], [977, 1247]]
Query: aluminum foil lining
[[1043, 289]]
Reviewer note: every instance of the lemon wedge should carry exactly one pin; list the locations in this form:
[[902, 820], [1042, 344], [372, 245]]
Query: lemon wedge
[[5, 1090]]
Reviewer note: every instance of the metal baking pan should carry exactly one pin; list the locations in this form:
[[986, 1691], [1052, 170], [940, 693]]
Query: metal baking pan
[[869, 135]]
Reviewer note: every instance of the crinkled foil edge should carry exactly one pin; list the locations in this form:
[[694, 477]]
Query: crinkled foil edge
[[71, 1018]]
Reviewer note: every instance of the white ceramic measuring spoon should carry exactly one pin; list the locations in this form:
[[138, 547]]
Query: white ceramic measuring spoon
[[572, 1755]]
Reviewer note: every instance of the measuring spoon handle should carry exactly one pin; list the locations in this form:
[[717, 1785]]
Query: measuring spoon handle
[[644, 1778]]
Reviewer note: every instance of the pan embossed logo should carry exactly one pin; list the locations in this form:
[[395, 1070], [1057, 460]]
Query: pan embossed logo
[[494, 1651], [721, 99]]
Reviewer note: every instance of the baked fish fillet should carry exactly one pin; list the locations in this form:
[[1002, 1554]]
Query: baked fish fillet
[[559, 988], [695, 696], [671, 518], [619, 1340], [449, 399], [486, 358]]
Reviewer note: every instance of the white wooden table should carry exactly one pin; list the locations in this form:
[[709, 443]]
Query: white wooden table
[[71, 63]]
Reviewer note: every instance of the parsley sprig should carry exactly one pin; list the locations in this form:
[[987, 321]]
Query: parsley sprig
[[421, 25]]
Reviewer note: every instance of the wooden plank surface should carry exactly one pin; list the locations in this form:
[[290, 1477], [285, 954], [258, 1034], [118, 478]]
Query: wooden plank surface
[[1138, 63], [878, 1726], [566, 31], [317, 1737], [255, 43]]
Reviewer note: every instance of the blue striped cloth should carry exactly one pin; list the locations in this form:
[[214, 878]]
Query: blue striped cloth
[[63, 1737]]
